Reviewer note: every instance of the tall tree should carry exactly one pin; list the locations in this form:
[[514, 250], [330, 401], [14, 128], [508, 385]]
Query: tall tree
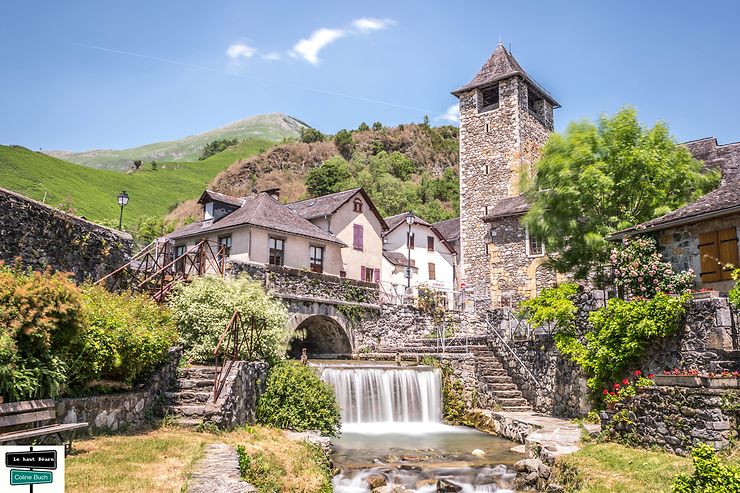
[[327, 178], [598, 178]]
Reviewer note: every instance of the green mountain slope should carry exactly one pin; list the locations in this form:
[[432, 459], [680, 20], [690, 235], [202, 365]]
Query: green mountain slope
[[273, 127], [92, 192]]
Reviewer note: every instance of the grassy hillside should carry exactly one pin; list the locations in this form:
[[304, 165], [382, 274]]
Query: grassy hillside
[[273, 127], [92, 192]]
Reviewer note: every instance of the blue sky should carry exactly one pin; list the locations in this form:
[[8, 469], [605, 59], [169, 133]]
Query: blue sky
[[114, 74]]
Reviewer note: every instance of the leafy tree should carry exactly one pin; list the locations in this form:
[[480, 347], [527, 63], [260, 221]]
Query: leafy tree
[[377, 126], [363, 127], [345, 143], [327, 178], [310, 135], [216, 146], [149, 228], [596, 179], [426, 121], [153, 164]]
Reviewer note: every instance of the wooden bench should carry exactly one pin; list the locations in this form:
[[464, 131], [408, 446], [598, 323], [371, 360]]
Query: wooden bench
[[25, 420]]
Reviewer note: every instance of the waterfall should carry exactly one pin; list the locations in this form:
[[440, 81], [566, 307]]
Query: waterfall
[[386, 395]]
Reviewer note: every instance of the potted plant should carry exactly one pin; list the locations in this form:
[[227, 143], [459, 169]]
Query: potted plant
[[611, 398]]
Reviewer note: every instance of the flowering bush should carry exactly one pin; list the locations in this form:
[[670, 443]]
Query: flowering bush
[[734, 294], [638, 268], [627, 387]]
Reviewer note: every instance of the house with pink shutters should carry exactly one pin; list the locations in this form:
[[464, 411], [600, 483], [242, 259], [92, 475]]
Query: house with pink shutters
[[352, 218]]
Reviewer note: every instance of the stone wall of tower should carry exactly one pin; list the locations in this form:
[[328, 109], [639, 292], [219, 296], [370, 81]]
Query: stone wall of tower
[[494, 145]]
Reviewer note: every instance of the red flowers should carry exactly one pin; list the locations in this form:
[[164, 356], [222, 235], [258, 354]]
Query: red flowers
[[638, 373], [616, 386], [651, 375], [625, 382], [606, 392]]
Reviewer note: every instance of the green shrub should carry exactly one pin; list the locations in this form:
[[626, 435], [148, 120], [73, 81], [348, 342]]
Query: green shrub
[[710, 475], [735, 291], [40, 314], [204, 307], [297, 399], [125, 337], [552, 306], [623, 330]]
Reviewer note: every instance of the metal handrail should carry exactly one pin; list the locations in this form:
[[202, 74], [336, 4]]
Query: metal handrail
[[233, 338], [143, 251], [513, 353]]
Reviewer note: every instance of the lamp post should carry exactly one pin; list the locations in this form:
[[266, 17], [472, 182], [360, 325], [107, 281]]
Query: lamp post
[[410, 221], [122, 201]]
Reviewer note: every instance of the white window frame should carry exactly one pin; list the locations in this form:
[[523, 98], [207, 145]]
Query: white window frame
[[529, 253]]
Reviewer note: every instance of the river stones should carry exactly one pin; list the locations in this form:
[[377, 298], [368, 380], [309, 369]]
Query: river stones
[[528, 465], [447, 486], [478, 452], [376, 481]]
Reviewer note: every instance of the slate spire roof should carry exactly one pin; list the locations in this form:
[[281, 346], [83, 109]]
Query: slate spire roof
[[502, 65]]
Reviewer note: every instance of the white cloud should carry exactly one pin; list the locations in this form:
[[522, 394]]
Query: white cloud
[[272, 56], [451, 115], [240, 50], [310, 47], [366, 25]]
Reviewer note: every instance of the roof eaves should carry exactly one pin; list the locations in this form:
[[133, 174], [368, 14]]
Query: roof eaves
[[673, 223]]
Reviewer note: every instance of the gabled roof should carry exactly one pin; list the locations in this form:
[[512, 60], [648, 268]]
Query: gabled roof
[[211, 196], [723, 201], [507, 207], [450, 228], [399, 219], [398, 258], [263, 211], [328, 204], [502, 65]]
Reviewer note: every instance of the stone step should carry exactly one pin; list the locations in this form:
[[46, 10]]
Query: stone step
[[187, 422], [494, 373], [489, 366], [516, 409], [506, 394], [189, 396], [193, 411], [508, 402], [202, 384], [204, 372], [494, 387]]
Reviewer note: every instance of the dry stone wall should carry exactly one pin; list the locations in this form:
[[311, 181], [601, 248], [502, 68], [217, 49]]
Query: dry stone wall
[[237, 404], [42, 236]]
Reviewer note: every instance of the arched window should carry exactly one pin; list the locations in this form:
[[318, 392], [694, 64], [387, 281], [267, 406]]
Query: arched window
[[357, 205]]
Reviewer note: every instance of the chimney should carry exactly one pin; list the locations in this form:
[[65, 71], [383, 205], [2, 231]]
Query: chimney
[[273, 192]]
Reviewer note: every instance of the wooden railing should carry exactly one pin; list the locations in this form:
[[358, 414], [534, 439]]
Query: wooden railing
[[237, 335], [156, 269]]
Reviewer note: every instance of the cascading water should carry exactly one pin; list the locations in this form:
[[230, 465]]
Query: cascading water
[[392, 427], [368, 395]]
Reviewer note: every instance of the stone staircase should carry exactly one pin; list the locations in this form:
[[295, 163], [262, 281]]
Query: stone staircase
[[495, 384], [191, 398]]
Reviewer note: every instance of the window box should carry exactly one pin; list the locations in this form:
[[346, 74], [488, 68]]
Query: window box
[[705, 294]]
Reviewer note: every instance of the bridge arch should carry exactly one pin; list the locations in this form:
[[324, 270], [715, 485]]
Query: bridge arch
[[320, 334]]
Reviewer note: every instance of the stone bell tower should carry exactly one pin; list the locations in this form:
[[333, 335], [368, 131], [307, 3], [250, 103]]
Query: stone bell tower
[[505, 118]]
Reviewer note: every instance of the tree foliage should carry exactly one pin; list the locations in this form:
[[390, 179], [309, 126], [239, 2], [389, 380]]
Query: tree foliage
[[328, 178], [345, 143], [552, 307], [216, 146], [363, 127], [710, 474], [310, 135], [598, 178]]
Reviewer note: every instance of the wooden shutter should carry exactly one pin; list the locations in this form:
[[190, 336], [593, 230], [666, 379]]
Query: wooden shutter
[[709, 253], [430, 243], [362, 273], [727, 240], [377, 275], [358, 238], [432, 272]]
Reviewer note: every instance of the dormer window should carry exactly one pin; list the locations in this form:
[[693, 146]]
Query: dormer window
[[357, 205], [488, 98]]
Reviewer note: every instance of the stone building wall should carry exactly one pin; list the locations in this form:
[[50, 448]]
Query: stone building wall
[[680, 247], [42, 236], [494, 145], [237, 404], [124, 411], [725, 157], [297, 282], [677, 418]]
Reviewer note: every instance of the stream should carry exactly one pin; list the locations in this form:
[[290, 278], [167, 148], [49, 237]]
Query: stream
[[392, 433]]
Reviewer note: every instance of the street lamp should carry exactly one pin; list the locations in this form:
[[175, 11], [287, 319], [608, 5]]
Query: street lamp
[[122, 201], [410, 221]]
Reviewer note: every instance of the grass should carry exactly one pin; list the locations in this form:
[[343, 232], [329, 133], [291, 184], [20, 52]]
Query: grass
[[93, 192], [614, 468], [162, 460]]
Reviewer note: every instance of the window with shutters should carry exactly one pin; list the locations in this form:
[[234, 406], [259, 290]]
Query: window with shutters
[[716, 250], [430, 243], [277, 251], [358, 242], [368, 274], [316, 258], [432, 272]]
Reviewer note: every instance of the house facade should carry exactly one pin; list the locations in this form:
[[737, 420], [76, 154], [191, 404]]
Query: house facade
[[351, 217], [259, 229], [432, 258], [505, 118]]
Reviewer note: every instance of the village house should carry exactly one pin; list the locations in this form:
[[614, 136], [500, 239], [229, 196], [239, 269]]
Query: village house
[[259, 229], [351, 217], [432, 258]]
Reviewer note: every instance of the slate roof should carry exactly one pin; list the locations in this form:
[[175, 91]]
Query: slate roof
[[450, 228], [264, 211], [502, 65], [398, 258], [328, 204], [723, 201], [220, 197], [399, 219], [507, 207]]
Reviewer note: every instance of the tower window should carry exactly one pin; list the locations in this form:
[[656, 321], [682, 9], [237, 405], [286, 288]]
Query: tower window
[[535, 247], [535, 104], [489, 98]]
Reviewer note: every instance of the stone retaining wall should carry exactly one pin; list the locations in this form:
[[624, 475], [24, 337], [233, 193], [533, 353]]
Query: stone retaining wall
[[123, 411], [237, 404], [677, 418], [297, 282], [42, 236]]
